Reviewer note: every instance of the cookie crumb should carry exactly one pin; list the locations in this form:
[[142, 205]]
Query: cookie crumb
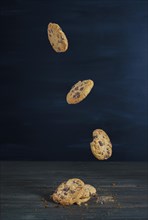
[[46, 206], [98, 199], [114, 184], [119, 206]]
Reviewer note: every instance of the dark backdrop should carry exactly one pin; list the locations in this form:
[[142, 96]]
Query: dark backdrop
[[107, 43]]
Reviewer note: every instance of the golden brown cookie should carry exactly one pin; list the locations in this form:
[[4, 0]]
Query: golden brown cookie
[[79, 91], [57, 38], [67, 194], [101, 148], [89, 191]]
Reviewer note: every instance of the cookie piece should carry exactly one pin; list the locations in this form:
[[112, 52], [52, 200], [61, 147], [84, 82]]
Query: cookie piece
[[101, 148], [57, 38], [100, 133], [89, 191], [79, 91], [68, 194]]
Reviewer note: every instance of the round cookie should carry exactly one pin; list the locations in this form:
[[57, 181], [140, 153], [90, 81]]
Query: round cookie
[[101, 148], [79, 91], [57, 38], [100, 133], [67, 194]]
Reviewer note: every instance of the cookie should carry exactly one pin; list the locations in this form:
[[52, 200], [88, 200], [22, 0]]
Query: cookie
[[79, 91], [99, 132], [68, 193], [57, 38], [89, 191], [101, 146]]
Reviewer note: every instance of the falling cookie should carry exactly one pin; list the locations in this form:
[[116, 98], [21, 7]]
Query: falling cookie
[[79, 91], [101, 146], [57, 38]]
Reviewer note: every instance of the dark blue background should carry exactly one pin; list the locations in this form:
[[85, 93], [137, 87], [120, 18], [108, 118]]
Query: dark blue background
[[108, 44]]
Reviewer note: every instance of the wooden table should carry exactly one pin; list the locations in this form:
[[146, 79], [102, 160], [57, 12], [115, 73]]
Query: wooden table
[[26, 188]]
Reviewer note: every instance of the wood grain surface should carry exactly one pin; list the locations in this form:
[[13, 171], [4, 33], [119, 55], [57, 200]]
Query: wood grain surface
[[26, 188]]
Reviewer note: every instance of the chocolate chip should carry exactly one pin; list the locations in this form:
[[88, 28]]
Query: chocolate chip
[[66, 189], [77, 95], [72, 191], [101, 144], [77, 88], [95, 136], [81, 88]]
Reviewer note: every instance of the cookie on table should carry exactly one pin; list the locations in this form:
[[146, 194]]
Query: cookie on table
[[57, 38], [68, 194], [89, 191], [79, 91], [101, 146]]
